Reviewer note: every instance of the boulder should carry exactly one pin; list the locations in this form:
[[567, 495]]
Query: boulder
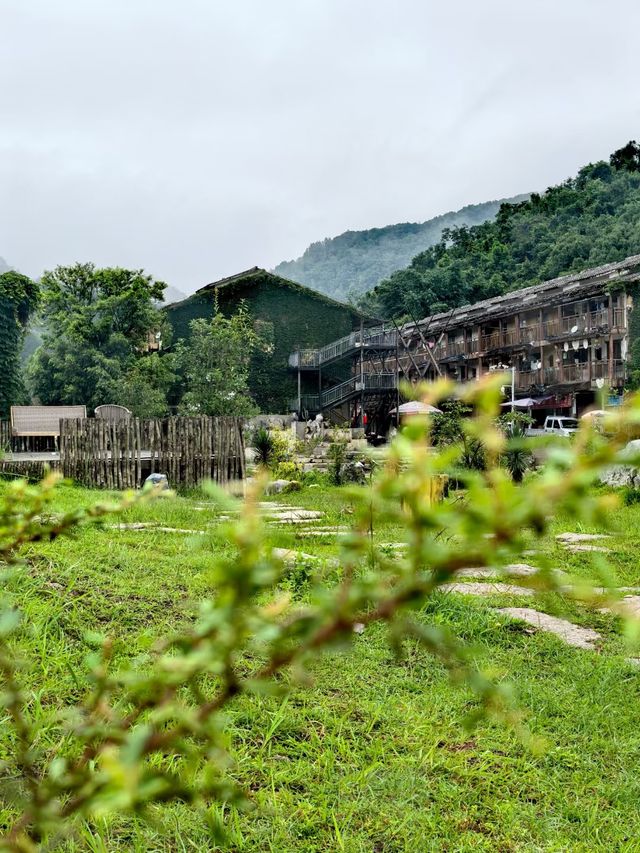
[[279, 487], [624, 475]]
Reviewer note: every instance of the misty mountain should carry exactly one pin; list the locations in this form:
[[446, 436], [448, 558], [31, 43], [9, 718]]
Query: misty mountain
[[4, 266], [346, 266], [586, 221], [172, 294]]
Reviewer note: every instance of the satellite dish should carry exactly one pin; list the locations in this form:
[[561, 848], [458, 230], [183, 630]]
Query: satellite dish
[[574, 329], [600, 383], [566, 346], [575, 344], [585, 344]]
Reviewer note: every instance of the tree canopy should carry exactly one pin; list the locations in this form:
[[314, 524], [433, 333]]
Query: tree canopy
[[18, 300], [584, 222], [215, 365], [97, 323], [346, 266]]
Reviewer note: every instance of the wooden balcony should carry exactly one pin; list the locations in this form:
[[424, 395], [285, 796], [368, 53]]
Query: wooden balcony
[[581, 373]]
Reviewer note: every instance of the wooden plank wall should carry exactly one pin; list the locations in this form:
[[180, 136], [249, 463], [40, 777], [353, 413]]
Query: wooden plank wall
[[189, 451]]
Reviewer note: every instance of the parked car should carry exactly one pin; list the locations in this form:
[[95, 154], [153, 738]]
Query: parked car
[[556, 425]]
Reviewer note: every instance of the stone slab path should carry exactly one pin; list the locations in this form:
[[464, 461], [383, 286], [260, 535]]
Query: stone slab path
[[572, 538], [521, 570], [153, 528], [486, 589], [577, 549], [573, 635]]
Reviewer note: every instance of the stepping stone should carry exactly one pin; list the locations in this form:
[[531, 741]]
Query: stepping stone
[[627, 606], [631, 604], [521, 570], [573, 635], [288, 555], [580, 537], [486, 589], [154, 528], [180, 530], [310, 534], [295, 515], [576, 549]]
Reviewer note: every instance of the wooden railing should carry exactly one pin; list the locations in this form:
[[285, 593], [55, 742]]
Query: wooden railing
[[338, 394], [568, 373], [562, 327], [311, 359]]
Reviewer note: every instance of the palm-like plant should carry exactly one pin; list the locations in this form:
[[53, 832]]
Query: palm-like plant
[[264, 446]]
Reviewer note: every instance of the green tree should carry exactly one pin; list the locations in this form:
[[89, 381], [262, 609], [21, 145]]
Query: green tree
[[145, 386], [215, 365], [18, 300], [97, 325]]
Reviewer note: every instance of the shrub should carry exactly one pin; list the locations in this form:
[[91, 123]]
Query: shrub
[[517, 458], [630, 495], [337, 454], [264, 445], [287, 471]]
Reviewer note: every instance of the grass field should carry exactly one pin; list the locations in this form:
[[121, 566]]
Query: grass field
[[373, 757]]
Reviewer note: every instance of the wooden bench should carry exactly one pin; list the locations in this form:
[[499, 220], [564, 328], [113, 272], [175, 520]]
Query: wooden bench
[[34, 421]]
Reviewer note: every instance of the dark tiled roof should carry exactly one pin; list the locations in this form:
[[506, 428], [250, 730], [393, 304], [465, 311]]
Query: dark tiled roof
[[259, 273], [567, 287]]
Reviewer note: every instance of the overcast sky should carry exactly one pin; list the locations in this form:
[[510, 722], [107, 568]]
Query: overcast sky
[[197, 138]]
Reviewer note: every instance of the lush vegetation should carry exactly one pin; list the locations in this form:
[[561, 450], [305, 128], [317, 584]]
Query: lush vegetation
[[346, 266], [157, 690], [215, 361], [586, 221], [18, 300], [97, 326], [285, 316]]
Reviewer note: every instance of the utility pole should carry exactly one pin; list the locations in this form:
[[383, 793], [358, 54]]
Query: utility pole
[[513, 388], [361, 373]]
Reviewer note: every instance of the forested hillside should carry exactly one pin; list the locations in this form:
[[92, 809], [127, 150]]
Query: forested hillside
[[588, 220], [346, 266]]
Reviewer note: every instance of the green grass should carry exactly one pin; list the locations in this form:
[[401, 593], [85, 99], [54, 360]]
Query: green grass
[[374, 755]]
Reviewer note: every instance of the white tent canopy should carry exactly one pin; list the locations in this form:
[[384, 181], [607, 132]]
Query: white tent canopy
[[597, 413], [525, 403], [415, 407]]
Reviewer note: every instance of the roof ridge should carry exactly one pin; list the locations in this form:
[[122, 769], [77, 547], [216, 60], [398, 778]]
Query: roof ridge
[[549, 284]]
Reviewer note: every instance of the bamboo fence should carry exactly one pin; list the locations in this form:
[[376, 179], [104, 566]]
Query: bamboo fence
[[120, 455]]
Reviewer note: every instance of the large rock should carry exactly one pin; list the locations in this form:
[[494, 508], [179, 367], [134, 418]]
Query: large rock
[[278, 487], [624, 475]]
